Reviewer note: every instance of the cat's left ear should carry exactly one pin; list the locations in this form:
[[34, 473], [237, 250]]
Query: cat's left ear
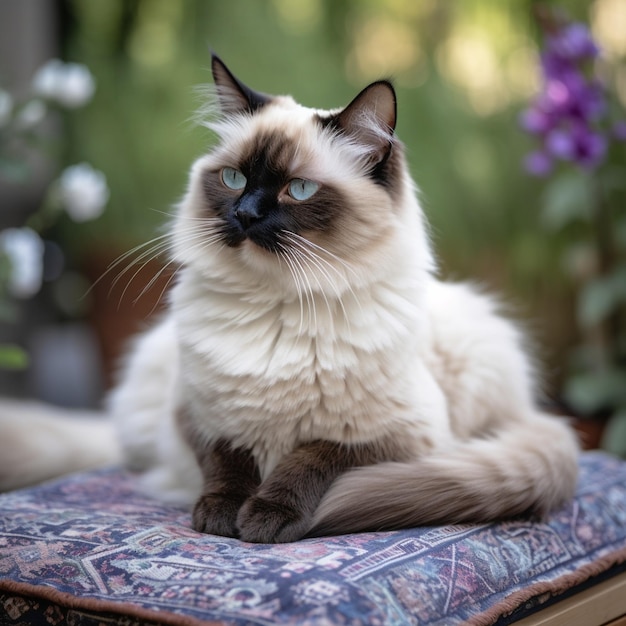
[[233, 96], [370, 119]]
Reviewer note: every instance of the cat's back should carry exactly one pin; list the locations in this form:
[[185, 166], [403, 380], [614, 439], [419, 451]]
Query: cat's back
[[474, 353], [144, 398]]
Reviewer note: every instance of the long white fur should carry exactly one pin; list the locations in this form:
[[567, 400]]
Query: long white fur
[[352, 351], [38, 442], [350, 339]]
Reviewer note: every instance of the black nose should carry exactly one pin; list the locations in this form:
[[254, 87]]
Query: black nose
[[247, 210]]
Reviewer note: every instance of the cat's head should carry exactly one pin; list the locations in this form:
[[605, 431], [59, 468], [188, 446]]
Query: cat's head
[[296, 190]]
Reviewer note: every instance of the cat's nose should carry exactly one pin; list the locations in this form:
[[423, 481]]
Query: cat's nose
[[247, 211]]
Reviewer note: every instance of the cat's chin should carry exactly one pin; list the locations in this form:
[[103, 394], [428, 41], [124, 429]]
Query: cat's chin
[[256, 244], [271, 269], [250, 246], [258, 257]]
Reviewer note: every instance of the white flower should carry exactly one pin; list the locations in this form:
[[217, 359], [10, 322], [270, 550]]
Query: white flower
[[69, 84], [6, 107], [78, 86], [83, 191], [48, 78], [31, 114], [24, 249]]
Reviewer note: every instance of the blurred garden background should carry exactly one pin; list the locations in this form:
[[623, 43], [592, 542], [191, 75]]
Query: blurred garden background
[[465, 71]]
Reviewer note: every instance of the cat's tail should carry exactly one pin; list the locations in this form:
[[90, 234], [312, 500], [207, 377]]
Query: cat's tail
[[531, 467], [39, 442]]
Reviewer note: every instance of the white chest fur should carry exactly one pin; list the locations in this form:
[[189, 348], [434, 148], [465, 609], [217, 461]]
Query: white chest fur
[[268, 373]]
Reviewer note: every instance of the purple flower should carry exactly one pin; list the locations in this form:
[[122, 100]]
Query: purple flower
[[577, 143], [538, 163], [591, 148], [535, 121], [590, 101], [560, 143], [552, 64], [557, 95], [619, 130], [566, 115], [573, 42]]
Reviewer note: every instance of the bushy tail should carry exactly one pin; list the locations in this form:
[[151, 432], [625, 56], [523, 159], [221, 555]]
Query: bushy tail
[[38, 442], [530, 467]]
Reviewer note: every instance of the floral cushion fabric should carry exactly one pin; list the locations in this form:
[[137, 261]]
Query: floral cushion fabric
[[90, 547]]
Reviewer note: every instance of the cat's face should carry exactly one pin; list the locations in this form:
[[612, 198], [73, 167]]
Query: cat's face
[[297, 188]]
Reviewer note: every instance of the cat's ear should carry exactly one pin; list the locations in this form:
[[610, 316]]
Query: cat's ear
[[370, 119], [233, 96]]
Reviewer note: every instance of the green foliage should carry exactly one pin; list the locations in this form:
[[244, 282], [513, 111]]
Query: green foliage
[[568, 198], [594, 391], [597, 381], [13, 169], [614, 436], [12, 357], [590, 209], [7, 307], [601, 297], [584, 209], [80, 190]]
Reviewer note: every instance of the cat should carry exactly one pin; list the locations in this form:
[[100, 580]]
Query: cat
[[312, 376]]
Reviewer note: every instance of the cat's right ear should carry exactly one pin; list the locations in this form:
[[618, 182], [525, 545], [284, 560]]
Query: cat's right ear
[[233, 96], [370, 119]]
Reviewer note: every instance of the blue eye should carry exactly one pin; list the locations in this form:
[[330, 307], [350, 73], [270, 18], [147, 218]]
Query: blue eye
[[302, 189], [233, 178]]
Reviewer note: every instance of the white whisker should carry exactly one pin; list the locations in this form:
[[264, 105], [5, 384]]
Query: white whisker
[[309, 260], [121, 258], [319, 248], [283, 255], [153, 280], [306, 284], [143, 254], [150, 255], [321, 263]]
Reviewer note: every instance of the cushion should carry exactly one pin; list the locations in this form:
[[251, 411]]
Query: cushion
[[89, 548]]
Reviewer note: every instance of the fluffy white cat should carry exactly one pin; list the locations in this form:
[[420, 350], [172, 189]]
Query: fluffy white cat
[[312, 375]]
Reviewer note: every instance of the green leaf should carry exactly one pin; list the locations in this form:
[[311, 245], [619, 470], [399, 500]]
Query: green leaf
[[601, 296], [8, 311], [614, 436], [568, 198], [14, 170], [594, 391], [596, 301], [612, 178], [12, 357], [619, 232]]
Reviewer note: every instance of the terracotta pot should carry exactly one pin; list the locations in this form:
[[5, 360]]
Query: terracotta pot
[[123, 304]]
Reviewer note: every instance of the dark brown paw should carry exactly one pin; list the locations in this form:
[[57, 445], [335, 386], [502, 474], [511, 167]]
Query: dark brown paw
[[264, 521], [216, 514]]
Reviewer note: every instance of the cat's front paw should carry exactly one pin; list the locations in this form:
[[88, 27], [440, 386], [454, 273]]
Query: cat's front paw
[[265, 521], [216, 514]]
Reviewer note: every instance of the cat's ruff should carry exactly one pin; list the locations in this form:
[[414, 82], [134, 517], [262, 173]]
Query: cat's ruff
[[312, 375]]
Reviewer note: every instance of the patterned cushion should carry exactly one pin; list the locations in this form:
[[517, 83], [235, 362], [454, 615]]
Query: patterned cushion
[[88, 548]]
